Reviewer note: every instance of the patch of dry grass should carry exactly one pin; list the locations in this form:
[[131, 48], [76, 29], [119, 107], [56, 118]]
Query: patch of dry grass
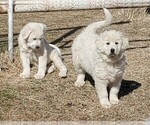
[[53, 98]]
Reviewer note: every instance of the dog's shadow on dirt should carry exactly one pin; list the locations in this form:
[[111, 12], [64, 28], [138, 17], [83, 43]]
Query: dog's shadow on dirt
[[127, 86]]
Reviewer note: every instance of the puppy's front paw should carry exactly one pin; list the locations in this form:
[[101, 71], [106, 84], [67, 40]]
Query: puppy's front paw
[[79, 83], [63, 73], [39, 76], [24, 75], [114, 100], [105, 103]]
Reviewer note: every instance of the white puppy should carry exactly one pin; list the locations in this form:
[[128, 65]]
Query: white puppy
[[34, 47], [101, 56]]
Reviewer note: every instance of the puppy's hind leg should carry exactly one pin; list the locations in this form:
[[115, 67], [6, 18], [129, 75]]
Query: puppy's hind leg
[[51, 68], [80, 77], [55, 57]]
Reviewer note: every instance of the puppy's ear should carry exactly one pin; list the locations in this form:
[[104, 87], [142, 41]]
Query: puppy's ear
[[44, 27], [25, 32], [125, 43]]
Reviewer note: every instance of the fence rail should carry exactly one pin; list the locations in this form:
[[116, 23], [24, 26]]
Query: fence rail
[[48, 5]]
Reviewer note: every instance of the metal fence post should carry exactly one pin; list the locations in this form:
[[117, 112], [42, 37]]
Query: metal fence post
[[10, 29]]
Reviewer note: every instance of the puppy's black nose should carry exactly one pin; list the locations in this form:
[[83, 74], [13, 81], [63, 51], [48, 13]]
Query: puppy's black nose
[[112, 50], [37, 47]]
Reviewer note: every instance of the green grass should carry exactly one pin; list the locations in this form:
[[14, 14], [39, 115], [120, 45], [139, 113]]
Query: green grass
[[7, 95]]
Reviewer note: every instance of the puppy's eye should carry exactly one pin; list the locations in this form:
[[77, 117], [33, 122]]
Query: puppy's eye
[[116, 43], [34, 38], [108, 43]]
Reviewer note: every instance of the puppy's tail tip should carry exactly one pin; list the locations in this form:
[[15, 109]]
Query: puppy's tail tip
[[96, 25], [108, 15]]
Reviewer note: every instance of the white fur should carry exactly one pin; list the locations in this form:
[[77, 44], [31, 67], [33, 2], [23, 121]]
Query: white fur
[[92, 54], [34, 47]]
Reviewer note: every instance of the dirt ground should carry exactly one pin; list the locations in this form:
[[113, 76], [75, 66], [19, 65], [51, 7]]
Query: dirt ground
[[57, 99]]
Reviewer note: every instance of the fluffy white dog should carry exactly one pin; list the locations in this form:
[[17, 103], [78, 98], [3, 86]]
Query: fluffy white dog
[[101, 56], [34, 47]]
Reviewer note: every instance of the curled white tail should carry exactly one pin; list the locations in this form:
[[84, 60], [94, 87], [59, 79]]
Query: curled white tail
[[96, 25]]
